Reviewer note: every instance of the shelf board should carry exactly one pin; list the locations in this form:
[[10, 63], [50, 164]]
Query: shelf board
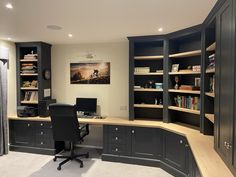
[[28, 88], [185, 91], [210, 70], [186, 54], [210, 117], [147, 106], [148, 90], [212, 47], [35, 74], [184, 72], [29, 102], [157, 57], [184, 110], [23, 60], [148, 74], [210, 94]]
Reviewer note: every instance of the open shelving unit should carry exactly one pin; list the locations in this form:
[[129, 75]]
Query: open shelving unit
[[33, 58], [185, 52], [146, 102]]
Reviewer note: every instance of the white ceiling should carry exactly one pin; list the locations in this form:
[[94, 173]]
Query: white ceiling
[[92, 21]]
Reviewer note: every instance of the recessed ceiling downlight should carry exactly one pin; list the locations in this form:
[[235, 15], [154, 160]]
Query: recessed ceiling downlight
[[54, 27], [9, 6]]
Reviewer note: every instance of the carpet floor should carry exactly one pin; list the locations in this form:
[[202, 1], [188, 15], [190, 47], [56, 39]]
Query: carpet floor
[[17, 164]]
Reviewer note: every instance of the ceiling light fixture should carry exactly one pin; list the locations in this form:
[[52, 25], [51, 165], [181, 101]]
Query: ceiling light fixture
[[8, 38], [70, 35], [9, 6], [160, 29]]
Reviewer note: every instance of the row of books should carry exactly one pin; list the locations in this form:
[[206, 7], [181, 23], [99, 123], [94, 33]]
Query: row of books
[[31, 96], [142, 69], [188, 102]]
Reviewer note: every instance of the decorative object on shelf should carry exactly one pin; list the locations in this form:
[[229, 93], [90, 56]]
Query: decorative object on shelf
[[159, 71], [155, 102], [176, 82], [197, 82], [150, 84], [160, 102], [47, 74], [31, 56], [196, 68], [33, 84], [28, 68], [175, 68], [159, 85], [31, 96], [212, 84], [137, 87], [188, 87], [90, 73]]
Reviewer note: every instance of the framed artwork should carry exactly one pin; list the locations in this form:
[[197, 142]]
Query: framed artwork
[[90, 73], [197, 82], [175, 68]]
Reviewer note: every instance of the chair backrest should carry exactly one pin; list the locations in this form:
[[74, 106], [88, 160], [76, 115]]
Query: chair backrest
[[65, 125]]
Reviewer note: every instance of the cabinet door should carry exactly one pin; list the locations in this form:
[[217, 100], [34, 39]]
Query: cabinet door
[[146, 142], [174, 151], [225, 71], [21, 133]]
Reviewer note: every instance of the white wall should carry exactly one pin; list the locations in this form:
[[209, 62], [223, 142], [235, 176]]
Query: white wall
[[11, 74], [113, 98]]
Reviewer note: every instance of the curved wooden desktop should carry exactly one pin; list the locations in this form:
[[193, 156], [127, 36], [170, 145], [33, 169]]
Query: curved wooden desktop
[[208, 161]]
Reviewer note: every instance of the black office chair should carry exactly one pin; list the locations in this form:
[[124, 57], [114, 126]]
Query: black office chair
[[65, 127]]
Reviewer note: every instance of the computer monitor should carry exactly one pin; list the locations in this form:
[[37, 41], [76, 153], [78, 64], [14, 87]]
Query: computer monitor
[[86, 105]]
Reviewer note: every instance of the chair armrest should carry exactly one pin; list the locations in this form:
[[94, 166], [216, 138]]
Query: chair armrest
[[84, 128]]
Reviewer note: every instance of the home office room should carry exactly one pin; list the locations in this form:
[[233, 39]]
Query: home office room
[[117, 88]]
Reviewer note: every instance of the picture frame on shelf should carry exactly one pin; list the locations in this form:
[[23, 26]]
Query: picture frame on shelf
[[175, 68], [197, 82]]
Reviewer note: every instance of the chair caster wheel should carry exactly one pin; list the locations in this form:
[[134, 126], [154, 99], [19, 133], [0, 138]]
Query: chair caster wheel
[[54, 159], [59, 168], [81, 165], [87, 155]]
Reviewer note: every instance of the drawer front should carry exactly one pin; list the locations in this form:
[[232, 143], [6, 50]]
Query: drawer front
[[43, 141], [116, 129], [117, 149], [117, 138], [43, 124]]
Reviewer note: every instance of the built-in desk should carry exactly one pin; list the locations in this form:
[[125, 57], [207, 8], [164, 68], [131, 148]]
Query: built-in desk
[[208, 161]]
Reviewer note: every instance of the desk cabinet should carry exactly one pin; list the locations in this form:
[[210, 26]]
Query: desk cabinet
[[149, 146], [175, 152], [32, 136]]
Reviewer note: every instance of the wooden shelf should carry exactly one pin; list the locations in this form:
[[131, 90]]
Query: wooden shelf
[[184, 72], [157, 57], [29, 74], [148, 74], [210, 117], [148, 106], [184, 110], [212, 47], [23, 60], [210, 94], [210, 70], [185, 91], [28, 88], [186, 54], [148, 90], [29, 102]]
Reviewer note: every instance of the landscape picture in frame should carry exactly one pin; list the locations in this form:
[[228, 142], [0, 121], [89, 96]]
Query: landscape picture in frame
[[90, 73]]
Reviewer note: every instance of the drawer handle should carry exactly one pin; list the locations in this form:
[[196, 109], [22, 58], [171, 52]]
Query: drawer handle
[[116, 129], [116, 149], [132, 131], [41, 133], [41, 143], [41, 124], [116, 138], [181, 141], [28, 125]]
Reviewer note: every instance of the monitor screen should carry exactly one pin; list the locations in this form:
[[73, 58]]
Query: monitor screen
[[86, 105]]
